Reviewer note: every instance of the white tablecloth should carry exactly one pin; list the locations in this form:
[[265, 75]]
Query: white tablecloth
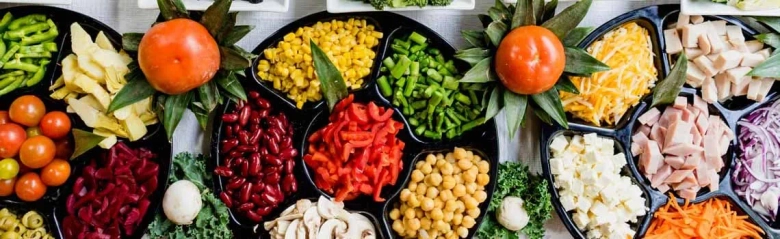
[[124, 16]]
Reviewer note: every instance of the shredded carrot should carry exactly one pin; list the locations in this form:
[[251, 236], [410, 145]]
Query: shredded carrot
[[710, 219]]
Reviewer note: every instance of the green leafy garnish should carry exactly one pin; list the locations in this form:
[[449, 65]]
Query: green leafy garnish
[[333, 87], [514, 179], [84, 142], [666, 91], [212, 220]]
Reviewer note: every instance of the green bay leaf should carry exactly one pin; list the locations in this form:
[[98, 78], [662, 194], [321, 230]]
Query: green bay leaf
[[174, 110], [474, 38], [568, 19], [172, 9], [494, 103], [579, 62], [333, 87], [565, 84], [472, 55], [772, 39], [215, 16], [480, 73], [131, 40], [550, 102], [576, 35], [667, 90], [514, 110], [525, 15], [549, 10], [228, 81], [136, 89], [84, 142]]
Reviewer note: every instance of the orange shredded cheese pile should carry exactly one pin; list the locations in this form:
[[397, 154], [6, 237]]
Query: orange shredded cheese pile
[[606, 96], [713, 218]]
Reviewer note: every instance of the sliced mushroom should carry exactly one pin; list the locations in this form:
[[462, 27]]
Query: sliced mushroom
[[327, 208], [282, 226], [312, 220], [290, 233], [288, 210], [359, 227], [331, 228], [303, 205], [301, 231], [269, 225]]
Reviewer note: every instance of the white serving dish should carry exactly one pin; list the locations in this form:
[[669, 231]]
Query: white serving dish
[[238, 6], [61, 2], [338, 6], [707, 7]]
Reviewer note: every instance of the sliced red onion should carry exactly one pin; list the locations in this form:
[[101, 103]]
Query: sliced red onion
[[756, 175]]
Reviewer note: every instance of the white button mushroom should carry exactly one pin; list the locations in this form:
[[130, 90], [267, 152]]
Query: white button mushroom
[[511, 214], [182, 202]]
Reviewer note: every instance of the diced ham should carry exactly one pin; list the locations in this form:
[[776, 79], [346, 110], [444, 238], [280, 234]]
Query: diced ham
[[709, 90], [716, 42], [727, 130], [719, 27], [645, 129], [712, 57], [663, 188], [692, 53], [727, 60], [695, 111], [734, 33], [702, 123], [688, 193], [690, 34], [753, 89], [688, 182], [706, 66], [657, 134], [766, 85], [723, 86], [724, 144], [711, 146], [687, 116], [736, 75], [697, 137], [696, 19], [635, 149], [714, 180], [739, 46], [674, 161], [670, 115], [683, 20], [640, 139], [680, 102], [682, 149], [752, 59], [692, 161], [741, 89], [678, 176], [703, 175], [651, 158], [650, 117], [704, 44], [658, 178], [678, 133], [672, 40], [694, 76], [754, 45], [700, 104]]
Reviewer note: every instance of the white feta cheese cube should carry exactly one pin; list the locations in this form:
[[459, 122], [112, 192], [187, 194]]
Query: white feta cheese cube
[[607, 146], [581, 219], [604, 168], [599, 208], [636, 206], [584, 204], [559, 144], [609, 198], [594, 234], [565, 180], [618, 161], [606, 218], [591, 155], [589, 177], [576, 145], [577, 187], [568, 203], [591, 191], [592, 139], [556, 166]]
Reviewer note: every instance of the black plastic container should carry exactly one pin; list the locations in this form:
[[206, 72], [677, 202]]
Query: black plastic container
[[655, 19], [52, 205], [313, 116]]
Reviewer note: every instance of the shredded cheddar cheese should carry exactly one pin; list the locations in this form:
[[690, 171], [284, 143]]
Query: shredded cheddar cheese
[[606, 96]]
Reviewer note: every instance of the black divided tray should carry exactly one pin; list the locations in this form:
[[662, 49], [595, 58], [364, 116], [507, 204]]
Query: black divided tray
[[655, 19], [482, 140], [52, 205]]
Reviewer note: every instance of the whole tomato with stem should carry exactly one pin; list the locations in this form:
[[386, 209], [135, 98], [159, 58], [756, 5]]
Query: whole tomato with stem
[[29, 187], [530, 60], [178, 55], [12, 136], [27, 110]]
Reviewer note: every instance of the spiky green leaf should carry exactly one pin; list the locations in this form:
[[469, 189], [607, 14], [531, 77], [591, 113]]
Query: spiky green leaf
[[174, 110], [472, 55], [575, 36], [494, 103], [130, 41], [549, 10], [215, 16], [496, 31], [565, 84], [137, 89], [524, 15], [667, 90], [172, 9], [568, 19], [480, 73], [233, 60], [514, 110], [579, 62], [550, 102], [474, 38]]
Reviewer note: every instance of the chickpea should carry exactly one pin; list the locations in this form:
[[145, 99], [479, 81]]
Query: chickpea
[[412, 187], [468, 222], [483, 166], [419, 164], [461, 207], [435, 179], [427, 204], [468, 177], [469, 202], [463, 232], [398, 226], [477, 158], [413, 224], [395, 214], [457, 219], [433, 233], [411, 233], [409, 213], [451, 206], [431, 159], [480, 195], [474, 212], [471, 188], [425, 223], [465, 164], [459, 190], [417, 176], [445, 195], [426, 168], [414, 202], [441, 162], [448, 182], [448, 216], [405, 195], [451, 158], [450, 234], [446, 169], [442, 226], [421, 189], [419, 213], [459, 153], [440, 156], [432, 192], [456, 171], [437, 214], [483, 179]]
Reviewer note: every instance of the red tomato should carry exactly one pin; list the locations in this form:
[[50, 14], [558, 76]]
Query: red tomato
[[530, 60], [29, 187], [37, 152], [4, 118], [27, 110], [55, 125], [11, 138], [178, 55], [56, 173], [7, 187], [64, 149]]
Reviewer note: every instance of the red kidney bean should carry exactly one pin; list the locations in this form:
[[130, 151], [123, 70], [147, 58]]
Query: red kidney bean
[[243, 137], [288, 154], [256, 135], [286, 142], [275, 135], [283, 118], [259, 187], [272, 178], [263, 113], [243, 117], [288, 184], [272, 160], [254, 217], [223, 171], [235, 183], [263, 211], [270, 199], [244, 148], [245, 207], [263, 103], [244, 168], [226, 199], [229, 118], [229, 131], [289, 166], [228, 144], [256, 199], [254, 95], [240, 104], [254, 164], [246, 192], [273, 146], [236, 129], [238, 162]]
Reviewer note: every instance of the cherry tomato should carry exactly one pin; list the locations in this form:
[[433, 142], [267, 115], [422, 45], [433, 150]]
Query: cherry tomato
[[33, 131], [56, 173], [4, 118], [11, 138], [37, 152], [9, 168], [55, 125], [7, 187], [29, 187], [530, 60], [64, 149], [27, 110], [178, 55]]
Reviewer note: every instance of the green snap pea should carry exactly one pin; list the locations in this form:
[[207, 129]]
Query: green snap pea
[[26, 20], [19, 65], [6, 21]]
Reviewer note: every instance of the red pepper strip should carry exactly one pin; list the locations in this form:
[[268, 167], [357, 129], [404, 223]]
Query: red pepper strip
[[319, 157], [358, 114], [336, 140], [341, 194], [373, 110], [353, 126], [344, 171], [316, 136], [344, 103], [360, 163], [347, 151], [355, 135], [381, 136], [362, 143], [378, 187], [394, 166], [366, 189]]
